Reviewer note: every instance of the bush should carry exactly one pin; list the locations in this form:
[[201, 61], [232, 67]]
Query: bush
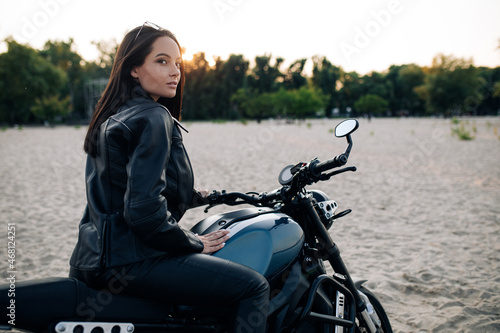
[[48, 108], [371, 103], [462, 133]]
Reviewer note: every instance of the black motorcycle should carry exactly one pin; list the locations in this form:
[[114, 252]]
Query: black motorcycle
[[284, 237]]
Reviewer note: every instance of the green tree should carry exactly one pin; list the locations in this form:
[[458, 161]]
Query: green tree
[[354, 87], [496, 89], [486, 98], [308, 102], [26, 76], [410, 77], [253, 105], [265, 77], [403, 98], [294, 78], [48, 108], [371, 103], [376, 83], [449, 84], [196, 98], [299, 103], [283, 102], [229, 76], [326, 77], [350, 91], [62, 55]]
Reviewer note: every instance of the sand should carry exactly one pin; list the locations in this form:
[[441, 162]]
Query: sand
[[424, 230]]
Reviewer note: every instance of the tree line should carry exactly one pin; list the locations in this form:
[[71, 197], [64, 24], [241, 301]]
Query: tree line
[[55, 84]]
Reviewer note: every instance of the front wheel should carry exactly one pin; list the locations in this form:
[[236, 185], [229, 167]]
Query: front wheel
[[385, 325]]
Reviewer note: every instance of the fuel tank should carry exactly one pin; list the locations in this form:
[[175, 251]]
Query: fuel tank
[[260, 238]]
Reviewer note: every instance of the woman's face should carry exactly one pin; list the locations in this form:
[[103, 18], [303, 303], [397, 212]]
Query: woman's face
[[161, 71]]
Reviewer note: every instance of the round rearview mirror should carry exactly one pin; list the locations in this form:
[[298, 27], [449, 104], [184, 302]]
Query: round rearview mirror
[[286, 176], [346, 127]]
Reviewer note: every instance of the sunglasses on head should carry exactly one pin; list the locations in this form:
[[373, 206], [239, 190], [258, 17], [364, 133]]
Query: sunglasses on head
[[149, 24], [146, 24]]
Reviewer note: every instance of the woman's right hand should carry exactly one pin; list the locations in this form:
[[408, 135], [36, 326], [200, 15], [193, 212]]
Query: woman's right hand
[[214, 241]]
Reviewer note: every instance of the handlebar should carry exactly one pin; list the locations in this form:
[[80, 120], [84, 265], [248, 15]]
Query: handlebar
[[283, 194], [293, 178], [233, 199], [317, 167], [264, 199]]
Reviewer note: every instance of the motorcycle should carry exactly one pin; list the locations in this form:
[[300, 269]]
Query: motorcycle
[[284, 236]]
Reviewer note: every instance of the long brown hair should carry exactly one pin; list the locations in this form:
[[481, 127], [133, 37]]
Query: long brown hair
[[132, 52]]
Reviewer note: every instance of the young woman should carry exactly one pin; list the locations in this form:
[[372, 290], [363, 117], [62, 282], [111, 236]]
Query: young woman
[[139, 184]]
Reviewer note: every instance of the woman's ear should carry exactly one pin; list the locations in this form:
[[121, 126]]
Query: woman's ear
[[134, 73]]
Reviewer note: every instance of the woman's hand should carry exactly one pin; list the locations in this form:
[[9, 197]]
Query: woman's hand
[[214, 241], [199, 198], [203, 192]]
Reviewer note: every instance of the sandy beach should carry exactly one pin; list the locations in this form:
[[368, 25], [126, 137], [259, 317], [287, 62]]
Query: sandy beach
[[425, 226]]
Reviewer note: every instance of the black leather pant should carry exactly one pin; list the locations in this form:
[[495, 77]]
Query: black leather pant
[[195, 279]]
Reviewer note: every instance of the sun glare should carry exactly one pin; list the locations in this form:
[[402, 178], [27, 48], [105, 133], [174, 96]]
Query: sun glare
[[210, 59], [187, 56]]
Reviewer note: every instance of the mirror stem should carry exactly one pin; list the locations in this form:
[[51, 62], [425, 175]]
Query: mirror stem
[[349, 141]]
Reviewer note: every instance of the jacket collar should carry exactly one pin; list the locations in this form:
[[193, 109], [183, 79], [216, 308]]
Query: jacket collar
[[139, 92]]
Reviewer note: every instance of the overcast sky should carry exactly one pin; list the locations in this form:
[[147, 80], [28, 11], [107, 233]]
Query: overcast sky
[[358, 35]]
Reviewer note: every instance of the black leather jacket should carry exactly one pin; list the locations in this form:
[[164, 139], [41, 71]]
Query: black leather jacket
[[138, 186]]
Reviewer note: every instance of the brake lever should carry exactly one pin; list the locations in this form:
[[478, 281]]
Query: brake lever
[[208, 207], [214, 199], [327, 176]]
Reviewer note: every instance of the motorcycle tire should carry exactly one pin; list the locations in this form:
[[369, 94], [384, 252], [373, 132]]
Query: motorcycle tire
[[379, 309]]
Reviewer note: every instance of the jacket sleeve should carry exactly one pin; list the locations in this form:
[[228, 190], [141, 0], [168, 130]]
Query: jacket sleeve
[[197, 200], [145, 208]]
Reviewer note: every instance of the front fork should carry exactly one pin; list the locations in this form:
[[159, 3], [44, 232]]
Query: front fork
[[333, 256], [339, 267]]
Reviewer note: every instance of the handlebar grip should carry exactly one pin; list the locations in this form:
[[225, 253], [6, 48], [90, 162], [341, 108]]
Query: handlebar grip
[[335, 162]]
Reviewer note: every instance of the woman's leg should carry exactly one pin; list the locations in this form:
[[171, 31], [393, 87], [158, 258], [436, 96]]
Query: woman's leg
[[199, 279]]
